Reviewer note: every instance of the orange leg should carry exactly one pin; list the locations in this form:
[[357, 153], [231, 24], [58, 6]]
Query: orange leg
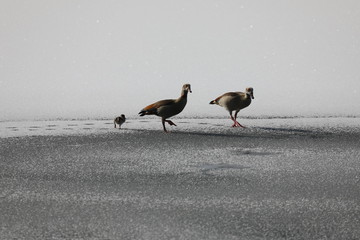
[[237, 123], [233, 119]]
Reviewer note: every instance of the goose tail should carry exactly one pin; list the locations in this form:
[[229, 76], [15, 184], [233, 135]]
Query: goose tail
[[142, 113]]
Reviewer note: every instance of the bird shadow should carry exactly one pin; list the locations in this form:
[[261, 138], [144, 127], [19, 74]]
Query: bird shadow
[[288, 130], [210, 134], [252, 152], [207, 168], [254, 132]]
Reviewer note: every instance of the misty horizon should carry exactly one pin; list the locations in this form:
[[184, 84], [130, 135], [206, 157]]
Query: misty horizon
[[80, 59]]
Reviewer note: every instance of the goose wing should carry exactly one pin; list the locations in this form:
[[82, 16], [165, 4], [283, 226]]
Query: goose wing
[[152, 108], [225, 95]]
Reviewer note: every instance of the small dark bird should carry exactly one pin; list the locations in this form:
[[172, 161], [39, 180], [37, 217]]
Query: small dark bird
[[235, 101], [119, 120], [168, 108]]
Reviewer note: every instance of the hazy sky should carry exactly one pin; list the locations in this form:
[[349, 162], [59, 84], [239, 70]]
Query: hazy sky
[[85, 58]]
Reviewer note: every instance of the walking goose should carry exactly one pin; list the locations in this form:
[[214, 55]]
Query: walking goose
[[235, 101], [119, 120], [168, 108]]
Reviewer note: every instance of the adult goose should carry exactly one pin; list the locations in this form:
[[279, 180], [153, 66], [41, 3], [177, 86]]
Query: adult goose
[[168, 108], [235, 101]]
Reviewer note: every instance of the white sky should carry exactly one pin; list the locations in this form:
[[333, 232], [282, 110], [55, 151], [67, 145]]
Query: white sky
[[86, 58]]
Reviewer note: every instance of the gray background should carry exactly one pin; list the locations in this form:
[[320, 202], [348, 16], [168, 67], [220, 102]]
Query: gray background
[[84, 58]]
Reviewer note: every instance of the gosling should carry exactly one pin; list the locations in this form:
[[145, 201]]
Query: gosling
[[119, 120]]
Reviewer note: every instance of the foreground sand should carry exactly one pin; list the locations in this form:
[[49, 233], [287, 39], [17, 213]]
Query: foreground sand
[[277, 179]]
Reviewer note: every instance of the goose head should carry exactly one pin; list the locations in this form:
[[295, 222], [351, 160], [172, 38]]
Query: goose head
[[250, 92], [186, 88]]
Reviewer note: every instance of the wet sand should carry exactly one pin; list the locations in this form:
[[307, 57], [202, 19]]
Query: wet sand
[[276, 179]]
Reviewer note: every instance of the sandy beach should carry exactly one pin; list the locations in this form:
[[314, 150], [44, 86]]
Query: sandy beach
[[291, 178]]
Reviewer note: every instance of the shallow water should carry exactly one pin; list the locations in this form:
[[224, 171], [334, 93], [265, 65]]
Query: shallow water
[[276, 179]]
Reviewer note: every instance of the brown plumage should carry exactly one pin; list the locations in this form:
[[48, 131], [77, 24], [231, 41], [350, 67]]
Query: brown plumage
[[168, 108], [235, 101]]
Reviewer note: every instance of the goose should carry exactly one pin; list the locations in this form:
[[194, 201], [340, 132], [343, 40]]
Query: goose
[[168, 108], [119, 120], [235, 101]]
